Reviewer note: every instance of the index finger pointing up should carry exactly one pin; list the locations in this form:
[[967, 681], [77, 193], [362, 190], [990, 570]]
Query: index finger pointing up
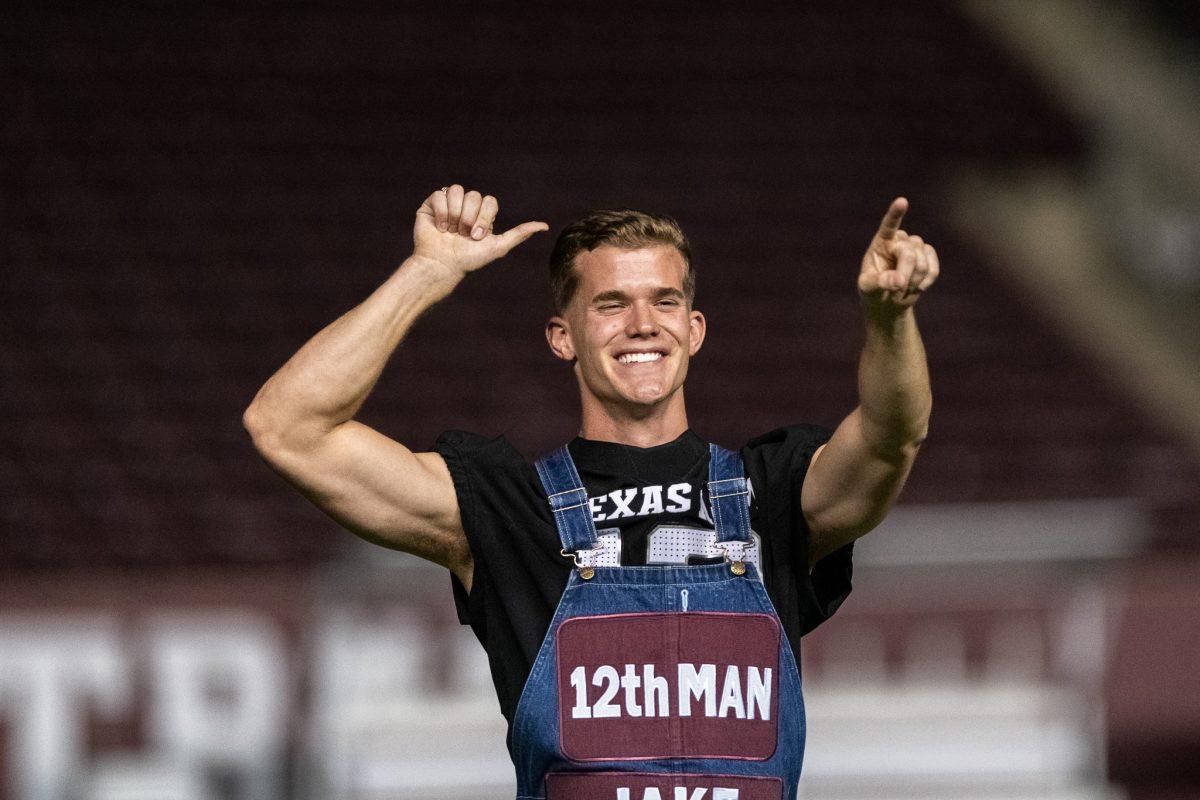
[[891, 220]]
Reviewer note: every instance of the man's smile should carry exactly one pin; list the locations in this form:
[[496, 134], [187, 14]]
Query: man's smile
[[640, 358]]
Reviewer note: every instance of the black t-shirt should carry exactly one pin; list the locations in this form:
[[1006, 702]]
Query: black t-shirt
[[644, 500]]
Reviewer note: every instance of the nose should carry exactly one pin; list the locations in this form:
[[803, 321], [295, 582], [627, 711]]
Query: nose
[[641, 321]]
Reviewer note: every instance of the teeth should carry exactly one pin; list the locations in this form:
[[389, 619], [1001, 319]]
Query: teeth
[[632, 358]]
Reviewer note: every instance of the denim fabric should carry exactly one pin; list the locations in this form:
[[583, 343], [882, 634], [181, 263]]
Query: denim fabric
[[671, 598]]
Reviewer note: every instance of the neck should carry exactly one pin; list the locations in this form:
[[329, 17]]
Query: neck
[[639, 426]]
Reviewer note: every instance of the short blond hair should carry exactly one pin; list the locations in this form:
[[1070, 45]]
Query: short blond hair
[[622, 228]]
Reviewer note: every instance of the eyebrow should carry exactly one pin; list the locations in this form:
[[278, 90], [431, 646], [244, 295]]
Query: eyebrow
[[661, 292]]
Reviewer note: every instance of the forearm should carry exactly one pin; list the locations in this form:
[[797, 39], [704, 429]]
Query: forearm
[[326, 382], [893, 384]]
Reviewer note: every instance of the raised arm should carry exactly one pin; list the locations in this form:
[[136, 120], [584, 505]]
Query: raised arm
[[855, 477], [302, 419]]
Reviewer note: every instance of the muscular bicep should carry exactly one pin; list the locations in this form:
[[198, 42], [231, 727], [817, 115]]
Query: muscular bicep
[[850, 487], [381, 491]]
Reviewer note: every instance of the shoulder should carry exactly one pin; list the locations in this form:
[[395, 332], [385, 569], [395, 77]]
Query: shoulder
[[488, 471], [790, 434], [463, 449], [471, 442], [785, 450]]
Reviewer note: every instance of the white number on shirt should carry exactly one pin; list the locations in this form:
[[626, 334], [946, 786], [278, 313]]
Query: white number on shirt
[[675, 544]]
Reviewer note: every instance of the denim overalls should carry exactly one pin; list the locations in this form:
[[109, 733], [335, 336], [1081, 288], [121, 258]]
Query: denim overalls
[[660, 682]]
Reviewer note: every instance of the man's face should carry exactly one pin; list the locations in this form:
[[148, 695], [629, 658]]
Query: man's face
[[628, 326]]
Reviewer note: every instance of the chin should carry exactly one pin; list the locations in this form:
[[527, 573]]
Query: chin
[[647, 398]]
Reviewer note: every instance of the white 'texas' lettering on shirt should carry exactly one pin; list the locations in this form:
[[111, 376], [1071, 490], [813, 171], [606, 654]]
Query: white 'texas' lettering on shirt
[[642, 501]]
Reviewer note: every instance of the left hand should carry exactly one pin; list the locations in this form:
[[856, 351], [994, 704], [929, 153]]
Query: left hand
[[897, 267]]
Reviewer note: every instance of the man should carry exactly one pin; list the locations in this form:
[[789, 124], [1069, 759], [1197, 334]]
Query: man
[[659, 650]]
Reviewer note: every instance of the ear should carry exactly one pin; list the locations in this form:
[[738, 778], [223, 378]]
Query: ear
[[698, 326], [558, 335]]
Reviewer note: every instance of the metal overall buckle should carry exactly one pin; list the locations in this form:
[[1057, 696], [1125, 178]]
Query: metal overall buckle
[[736, 561], [585, 570]]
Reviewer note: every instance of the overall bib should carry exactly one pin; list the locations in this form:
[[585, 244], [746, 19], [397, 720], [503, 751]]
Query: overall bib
[[660, 682]]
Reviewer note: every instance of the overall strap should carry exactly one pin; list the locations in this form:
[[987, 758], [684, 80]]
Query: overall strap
[[729, 494], [568, 500]]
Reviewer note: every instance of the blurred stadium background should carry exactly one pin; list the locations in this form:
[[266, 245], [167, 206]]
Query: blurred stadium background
[[190, 193]]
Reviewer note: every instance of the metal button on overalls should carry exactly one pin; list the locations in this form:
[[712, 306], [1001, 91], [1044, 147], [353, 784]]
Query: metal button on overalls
[[660, 682]]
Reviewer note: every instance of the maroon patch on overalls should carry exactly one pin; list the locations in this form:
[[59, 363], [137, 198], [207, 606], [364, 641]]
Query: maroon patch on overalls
[[668, 685], [658, 786]]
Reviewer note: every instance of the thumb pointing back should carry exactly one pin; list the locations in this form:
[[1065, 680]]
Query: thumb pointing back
[[517, 234]]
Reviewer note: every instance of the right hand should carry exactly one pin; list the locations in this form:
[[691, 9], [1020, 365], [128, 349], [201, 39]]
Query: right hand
[[454, 229]]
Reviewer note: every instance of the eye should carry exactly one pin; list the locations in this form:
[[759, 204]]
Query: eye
[[668, 303], [609, 306]]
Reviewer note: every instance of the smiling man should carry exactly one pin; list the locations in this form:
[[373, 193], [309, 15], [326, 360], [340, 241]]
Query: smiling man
[[625, 317], [641, 593]]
